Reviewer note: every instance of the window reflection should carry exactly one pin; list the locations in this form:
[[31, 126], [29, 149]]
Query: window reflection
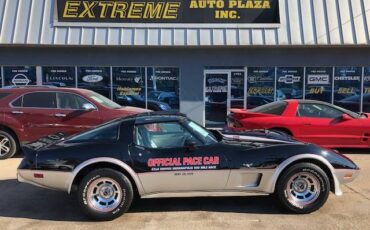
[[347, 87], [289, 83], [260, 86], [319, 83]]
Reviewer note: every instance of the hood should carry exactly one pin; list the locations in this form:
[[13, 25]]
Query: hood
[[259, 136]]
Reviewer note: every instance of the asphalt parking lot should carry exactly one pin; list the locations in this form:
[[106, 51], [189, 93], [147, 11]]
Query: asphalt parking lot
[[24, 206]]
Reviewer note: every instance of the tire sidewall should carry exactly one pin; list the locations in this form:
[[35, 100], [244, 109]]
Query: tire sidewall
[[13, 145], [315, 171], [126, 189]]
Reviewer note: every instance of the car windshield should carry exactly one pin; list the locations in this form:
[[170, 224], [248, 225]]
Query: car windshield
[[103, 100], [206, 136]]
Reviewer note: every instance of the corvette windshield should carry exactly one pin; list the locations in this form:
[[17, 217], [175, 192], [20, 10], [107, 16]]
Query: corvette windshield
[[202, 133]]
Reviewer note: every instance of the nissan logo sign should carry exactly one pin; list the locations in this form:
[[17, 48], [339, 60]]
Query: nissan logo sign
[[92, 78], [20, 79]]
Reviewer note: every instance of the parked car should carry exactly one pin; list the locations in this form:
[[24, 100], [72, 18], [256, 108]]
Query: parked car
[[306, 120], [171, 98], [28, 113], [162, 155], [139, 101]]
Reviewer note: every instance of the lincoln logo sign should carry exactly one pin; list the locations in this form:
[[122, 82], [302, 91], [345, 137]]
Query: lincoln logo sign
[[169, 11]]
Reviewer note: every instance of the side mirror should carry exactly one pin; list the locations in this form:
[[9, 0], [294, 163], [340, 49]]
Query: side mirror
[[190, 145], [88, 107], [345, 117]]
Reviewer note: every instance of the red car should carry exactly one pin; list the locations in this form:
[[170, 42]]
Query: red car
[[309, 121], [29, 113]]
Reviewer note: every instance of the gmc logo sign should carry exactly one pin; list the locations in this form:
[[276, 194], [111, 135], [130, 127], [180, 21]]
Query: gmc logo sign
[[318, 79]]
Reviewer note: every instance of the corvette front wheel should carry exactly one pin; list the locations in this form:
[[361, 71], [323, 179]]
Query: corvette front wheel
[[105, 194], [303, 188]]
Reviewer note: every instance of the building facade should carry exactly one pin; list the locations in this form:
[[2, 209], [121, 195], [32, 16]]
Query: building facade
[[199, 57]]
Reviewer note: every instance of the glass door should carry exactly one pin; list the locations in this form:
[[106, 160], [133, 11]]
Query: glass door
[[224, 89]]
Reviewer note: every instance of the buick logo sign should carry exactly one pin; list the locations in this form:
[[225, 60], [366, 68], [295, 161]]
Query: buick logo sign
[[92, 78], [20, 79], [289, 79], [318, 79]]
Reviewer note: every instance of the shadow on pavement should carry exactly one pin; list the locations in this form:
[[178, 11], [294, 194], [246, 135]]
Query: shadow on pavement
[[19, 200], [354, 151]]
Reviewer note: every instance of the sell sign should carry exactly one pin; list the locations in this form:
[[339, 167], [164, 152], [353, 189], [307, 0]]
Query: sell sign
[[169, 11]]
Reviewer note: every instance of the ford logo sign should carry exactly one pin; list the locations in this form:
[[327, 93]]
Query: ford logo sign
[[92, 78], [20, 79]]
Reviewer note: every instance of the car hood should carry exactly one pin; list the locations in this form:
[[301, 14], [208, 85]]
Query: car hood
[[263, 137]]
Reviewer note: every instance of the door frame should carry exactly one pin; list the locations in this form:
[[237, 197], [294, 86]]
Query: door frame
[[228, 100]]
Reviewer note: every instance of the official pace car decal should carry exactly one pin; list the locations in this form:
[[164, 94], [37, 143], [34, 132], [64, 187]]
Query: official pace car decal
[[183, 163]]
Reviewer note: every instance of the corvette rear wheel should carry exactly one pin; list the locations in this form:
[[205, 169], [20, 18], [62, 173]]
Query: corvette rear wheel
[[105, 194], [8, 145], [303, 188]]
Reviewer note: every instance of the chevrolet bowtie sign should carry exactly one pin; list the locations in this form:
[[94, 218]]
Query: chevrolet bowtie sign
[[169, 11]]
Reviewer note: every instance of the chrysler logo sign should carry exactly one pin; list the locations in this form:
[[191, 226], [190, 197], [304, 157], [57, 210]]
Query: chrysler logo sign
[[289, 79], [20, 79], [92, 78]]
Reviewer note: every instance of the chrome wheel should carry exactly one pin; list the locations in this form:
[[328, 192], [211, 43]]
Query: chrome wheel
[[302, 189], [104, 194], [5, 145]]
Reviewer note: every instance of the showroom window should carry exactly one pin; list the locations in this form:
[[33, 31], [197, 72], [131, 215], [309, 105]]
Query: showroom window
[[19, 75], [237, 90], [319, 83], [260, 86], [289, 83], [129, 86], [366, 91], [96, 79], [347, 87], [163, 87], [59, 76]]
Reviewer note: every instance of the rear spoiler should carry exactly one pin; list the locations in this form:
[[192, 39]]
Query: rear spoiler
[[44, 142], [243, 113]]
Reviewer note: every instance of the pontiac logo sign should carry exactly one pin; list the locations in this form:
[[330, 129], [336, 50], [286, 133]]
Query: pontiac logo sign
[[92, 78], [20, 80]]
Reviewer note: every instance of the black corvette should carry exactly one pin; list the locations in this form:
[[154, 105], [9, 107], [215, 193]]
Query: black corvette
[[167, 155]]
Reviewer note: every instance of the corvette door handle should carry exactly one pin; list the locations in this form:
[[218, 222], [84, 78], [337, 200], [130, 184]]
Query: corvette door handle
[[60, 115], [17, 112]]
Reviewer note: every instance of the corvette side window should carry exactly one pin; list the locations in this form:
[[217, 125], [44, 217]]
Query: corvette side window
[[318, 111], [104, 133], [163, 135]]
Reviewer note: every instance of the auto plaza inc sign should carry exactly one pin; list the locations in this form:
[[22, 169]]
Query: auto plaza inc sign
[[169, 11]]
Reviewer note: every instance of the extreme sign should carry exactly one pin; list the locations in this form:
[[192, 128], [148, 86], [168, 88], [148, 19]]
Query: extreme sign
[[169, 11]]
